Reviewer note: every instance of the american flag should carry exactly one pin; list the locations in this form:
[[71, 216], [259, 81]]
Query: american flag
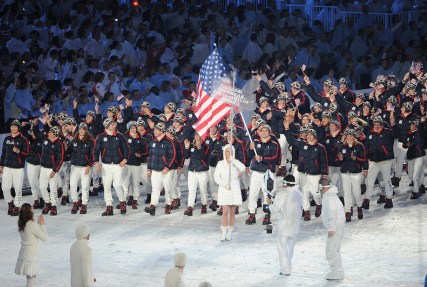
[[210, 111]]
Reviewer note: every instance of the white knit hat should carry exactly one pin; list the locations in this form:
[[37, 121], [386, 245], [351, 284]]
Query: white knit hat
[[82, 231], [180, 259]]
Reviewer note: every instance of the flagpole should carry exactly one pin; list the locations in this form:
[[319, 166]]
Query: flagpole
[[230, 139], [248, 133]]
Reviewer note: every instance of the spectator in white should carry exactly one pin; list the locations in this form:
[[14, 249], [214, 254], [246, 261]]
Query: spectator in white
[[225, 50], [51, 66], [129, 51], [174, 275], [141, 84], [81, 259], [200, 51], [169, 57], [358, 46], [15, 44], [286, 213], [116, 50], [100, 89], [334, 222], [95, 48], [252, 52], [31, 232], [162, 74]]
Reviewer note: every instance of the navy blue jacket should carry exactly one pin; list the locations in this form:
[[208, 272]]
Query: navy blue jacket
[[403, 125], [11, 159], [313, 159], [52, 154], [416, 142], [35, 140], [136, 145], [215, 149], [348, 164], [198, 157], [270, 155], [162, 154], [113, 149], [379, 146], [332, 144], [82, 152]]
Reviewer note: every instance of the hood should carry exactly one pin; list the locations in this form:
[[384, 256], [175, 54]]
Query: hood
[[333, 189], [233, 152], [82, 231]]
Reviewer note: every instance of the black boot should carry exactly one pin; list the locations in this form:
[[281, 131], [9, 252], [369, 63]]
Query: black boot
[[347, 216], [151, 210], [318, 211], [148, 199], [130, 200], [42, 203], [75, 207], [365, 204], [15, 211], [381, 199], [388, 203], [307, 215], [53, 210], [244, 194], [123, 207], [46, 208], [395, 181], [189, 211], [251, 219], [360, 213], [213, 205], [10, 207], [415, 195], [422, 189]]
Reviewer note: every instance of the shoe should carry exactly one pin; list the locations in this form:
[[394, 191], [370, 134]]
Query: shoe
[[351, 211], [162, 192], [15, 211], [36, 204], [259, 203], [422, 189], [395, 181], [342, 200], [151, 210], [244, 194], [168, 209], [134, 204], [362, 188], [204, 209], [118, 206], [80, 202], [53, 210], [381, 199], [360, 212], [130, 200], [411, 183], [229, 232], [415, 195], [123, 207], [388, 203], [318, 211], [10, 207], [189, 211], [148, 199], [307, 215], [266, 220], [83, 209], [219, 212], [213, 205], [65, 200], [251, 219], [94, 192], [365, 204], [312, 203], [42, 203], [108, 211], [178, 200], [347, 216], [46, 209], [236, 210], [75, 208]]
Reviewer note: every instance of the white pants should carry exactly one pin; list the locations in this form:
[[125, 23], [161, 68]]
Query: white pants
[[400, 159], [112, 173], [285, 248], [335, 178], [245, 180], [146, 182], [351, 187], [176, 192], [78, 174], [333, 249], [309, 184], [131, 180], [33, 175], [12, 177], [159, 181], [45, 180], [257, 181], [416, 167], [383, 167], [197, 179], [64, 177], [213, 186], [295, 172], [284, 147]]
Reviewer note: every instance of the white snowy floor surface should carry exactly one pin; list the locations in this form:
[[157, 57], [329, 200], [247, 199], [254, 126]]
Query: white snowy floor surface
[[386, 248]]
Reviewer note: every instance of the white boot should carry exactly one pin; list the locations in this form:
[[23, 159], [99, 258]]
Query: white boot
[[230, 231], [224, 232]]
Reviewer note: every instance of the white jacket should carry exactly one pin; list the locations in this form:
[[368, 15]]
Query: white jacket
[[174, 277], [333, 214], [81, 264], [286, 211]]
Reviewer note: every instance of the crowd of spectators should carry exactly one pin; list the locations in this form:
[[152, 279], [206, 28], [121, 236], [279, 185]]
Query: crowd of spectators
[[53, 52]]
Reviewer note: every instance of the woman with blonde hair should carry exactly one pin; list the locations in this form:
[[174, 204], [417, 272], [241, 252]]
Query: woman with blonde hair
[[30, 232], [354, 166], [227, 174]]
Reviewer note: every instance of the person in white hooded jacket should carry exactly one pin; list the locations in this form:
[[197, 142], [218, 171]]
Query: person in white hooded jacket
[[173, 277], [227, 175], [81, 259], [333, 217], [286, 212]]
